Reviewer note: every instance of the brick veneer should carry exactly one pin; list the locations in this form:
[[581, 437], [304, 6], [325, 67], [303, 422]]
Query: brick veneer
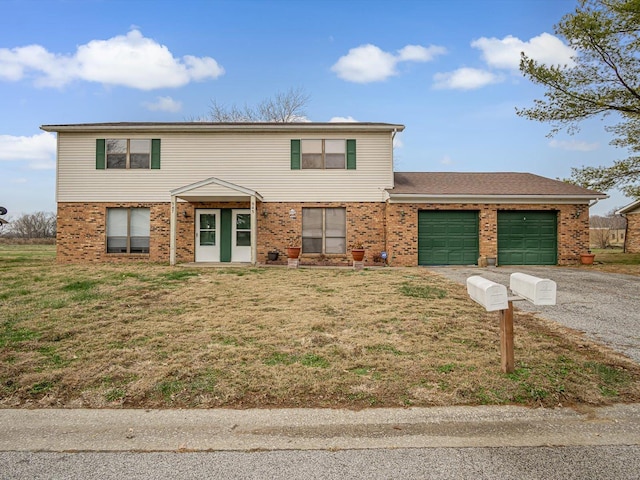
[[402, 229], [380, 227], [81, 235], [365, 224], [632, 242]]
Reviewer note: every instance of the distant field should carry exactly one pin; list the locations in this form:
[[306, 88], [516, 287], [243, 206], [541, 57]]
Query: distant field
[[614, 260], [153, 336]]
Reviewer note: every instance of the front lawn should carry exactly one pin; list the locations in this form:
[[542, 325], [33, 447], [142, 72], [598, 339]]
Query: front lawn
[[148, 336]]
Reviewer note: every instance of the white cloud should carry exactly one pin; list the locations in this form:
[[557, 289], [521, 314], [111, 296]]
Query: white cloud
[[465, 79], [446, 160], [348, 119], [397, 141], [505, 53], [573, 145], [299, 119], [365, 64], [38, 150], [130, 60], [18, 181], [418, 53], [368, 63], [164, 104]]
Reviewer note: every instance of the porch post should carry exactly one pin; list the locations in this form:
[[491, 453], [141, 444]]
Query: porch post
[[254, 231], [172, 234]]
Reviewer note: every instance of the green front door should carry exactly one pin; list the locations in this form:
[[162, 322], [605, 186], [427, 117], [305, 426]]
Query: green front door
[[447, 237], [527, 238]]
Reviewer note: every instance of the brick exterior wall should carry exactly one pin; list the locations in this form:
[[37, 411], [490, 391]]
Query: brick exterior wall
[[365, 224], [632, 244], [393, 228], [81, 235], [402, 231]]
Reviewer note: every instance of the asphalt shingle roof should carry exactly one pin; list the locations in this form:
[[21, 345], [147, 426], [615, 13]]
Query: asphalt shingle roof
[[497, 183]]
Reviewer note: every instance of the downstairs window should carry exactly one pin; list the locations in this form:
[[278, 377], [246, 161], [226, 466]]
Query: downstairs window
[[324, 230], [128, 230]]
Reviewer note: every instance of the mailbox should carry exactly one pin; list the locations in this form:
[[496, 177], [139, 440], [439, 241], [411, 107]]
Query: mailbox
[[490, 295], [539, 291]]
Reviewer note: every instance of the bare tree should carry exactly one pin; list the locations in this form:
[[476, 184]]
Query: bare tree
[[283, 107], [32, 225], [601, 228]]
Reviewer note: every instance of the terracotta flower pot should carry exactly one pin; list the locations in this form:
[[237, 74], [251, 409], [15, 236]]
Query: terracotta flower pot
[[358, 254], [293, 252], [587, 258]]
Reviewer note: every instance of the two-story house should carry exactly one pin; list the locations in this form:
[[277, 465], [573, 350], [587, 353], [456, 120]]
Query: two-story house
[[232, 192]]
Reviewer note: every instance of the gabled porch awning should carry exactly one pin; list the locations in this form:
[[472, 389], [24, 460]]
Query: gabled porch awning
[[208, 190]]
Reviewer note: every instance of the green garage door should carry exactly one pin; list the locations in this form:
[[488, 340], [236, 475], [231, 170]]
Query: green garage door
[[447, 237], [527, 238]]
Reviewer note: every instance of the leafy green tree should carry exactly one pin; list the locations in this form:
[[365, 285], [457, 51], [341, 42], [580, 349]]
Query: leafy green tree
[[604, 80]]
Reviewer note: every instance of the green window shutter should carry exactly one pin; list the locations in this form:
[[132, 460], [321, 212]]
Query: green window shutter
[[351, 154], [295, 154], [225, 234], [155, 154], [100, 154]]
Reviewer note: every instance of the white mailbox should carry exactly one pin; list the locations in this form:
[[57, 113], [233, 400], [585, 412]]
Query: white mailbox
[[490, 295], [539, 291]]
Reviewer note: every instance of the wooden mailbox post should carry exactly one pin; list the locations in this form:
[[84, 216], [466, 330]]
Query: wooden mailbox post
[[493, 297]]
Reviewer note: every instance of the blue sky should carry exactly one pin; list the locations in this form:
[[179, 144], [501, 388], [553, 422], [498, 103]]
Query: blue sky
[[446, 69]]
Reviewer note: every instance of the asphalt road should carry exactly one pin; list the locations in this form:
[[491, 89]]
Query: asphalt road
[[605, 306], [549, 463], [437, 443]]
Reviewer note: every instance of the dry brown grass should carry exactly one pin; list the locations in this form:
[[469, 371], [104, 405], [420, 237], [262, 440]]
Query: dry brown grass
[[154, 336]]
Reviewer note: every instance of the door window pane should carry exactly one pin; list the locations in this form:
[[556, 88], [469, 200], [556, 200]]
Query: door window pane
[[207, 229], [207, 238], [243, 239], [207, 221], [243, 221]]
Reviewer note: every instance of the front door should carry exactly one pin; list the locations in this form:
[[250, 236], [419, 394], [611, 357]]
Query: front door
[[207, 235], [241, 236]]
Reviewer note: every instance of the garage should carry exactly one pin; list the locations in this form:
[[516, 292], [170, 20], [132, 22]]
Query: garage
[[447, 237], [527, 237]]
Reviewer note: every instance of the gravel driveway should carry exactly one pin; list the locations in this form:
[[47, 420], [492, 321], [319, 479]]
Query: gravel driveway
[[606, 306]]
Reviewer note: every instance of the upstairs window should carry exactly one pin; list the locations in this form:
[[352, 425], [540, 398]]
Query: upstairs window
[[123, 153], [128, 230], [323, 154]]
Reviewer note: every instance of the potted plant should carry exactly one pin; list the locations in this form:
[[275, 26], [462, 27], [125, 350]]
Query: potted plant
[[273, 255], [357, 251], [293, 250], [587, 258]]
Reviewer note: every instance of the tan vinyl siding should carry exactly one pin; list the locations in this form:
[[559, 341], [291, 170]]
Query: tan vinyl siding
[[259, 162]]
